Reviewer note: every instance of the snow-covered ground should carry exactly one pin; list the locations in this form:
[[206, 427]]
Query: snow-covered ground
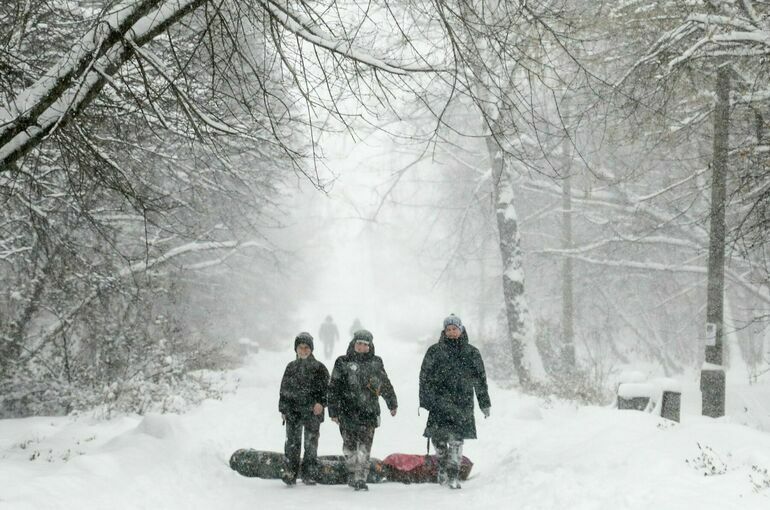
[[531, 454]]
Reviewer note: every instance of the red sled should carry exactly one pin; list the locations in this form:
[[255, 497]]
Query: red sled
[[412, 468]]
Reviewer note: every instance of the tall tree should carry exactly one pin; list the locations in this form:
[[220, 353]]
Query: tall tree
[[730, 38]]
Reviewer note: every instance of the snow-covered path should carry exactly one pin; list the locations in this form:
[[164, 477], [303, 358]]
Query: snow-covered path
[[530, 454]]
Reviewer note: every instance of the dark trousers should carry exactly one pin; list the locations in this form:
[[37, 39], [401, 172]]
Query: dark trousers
[[292, 448], [449, 451], [328, 349], [357, 446]]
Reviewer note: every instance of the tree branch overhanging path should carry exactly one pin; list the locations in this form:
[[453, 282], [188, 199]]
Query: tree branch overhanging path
[[152, 131], [142, 146], [79, 76]]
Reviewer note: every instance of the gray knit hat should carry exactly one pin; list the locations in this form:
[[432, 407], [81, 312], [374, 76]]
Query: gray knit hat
[[363, 335], [304, 338], [453, 320]]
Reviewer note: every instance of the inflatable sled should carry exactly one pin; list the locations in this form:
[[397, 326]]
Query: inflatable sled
[[331, 468], [411, 468]]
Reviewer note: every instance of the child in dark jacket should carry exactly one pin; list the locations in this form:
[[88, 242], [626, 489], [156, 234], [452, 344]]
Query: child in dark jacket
[[301, 404], [358, 381]]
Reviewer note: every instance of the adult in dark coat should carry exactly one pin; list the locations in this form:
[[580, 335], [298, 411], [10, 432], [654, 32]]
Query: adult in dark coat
[[301, 403], [452, 370], [356, 326], [358, 381]]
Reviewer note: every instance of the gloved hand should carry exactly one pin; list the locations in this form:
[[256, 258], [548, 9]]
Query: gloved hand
[[486, 412]]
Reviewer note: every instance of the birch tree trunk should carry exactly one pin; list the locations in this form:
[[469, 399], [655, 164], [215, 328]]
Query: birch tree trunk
[[526, 358]]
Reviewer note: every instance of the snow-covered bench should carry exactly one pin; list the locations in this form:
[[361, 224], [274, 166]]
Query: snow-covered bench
[[661, 396]]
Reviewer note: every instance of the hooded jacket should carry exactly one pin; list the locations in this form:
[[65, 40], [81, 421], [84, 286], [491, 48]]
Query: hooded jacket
[[357, 382], [303, 385], [451, 371]]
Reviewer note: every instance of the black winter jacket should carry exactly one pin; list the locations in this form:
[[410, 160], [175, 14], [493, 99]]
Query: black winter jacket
[[357, 382], [451, 371], [304, 384]]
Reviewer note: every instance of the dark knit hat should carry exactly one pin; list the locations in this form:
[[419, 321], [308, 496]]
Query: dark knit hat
[[453, 320], [363, 335], [304, 338]]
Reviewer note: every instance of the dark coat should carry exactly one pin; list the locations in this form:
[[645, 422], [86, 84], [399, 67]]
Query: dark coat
[[328, 332], [451, 371], [303, 385], [357, 382]]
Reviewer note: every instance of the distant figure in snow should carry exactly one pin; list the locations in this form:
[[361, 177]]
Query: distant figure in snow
[[328, 335], [301, 403], [358, 380], [451, 371], [356, 326]]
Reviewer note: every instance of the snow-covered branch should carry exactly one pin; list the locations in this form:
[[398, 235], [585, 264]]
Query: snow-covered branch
[[734, 276], [133, 269], [641, 266], [305, 30], [729, 34], [79, 76], [651, 240]]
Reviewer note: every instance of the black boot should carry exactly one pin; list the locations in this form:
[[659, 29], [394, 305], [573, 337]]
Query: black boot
[[453, 481], [289, 478]]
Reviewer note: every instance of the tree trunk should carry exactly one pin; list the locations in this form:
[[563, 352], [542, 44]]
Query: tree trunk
[[482, 288], [712, 375], [526, 358], [567, 301]]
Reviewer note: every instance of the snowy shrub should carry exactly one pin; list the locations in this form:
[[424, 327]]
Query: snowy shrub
[[581, 385], [164, 392], [498, 362], [759, 478], [587, 381], [137, 369], [707, 462], [33, 389]]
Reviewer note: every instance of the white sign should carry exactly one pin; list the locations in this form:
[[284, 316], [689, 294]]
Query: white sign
[[711, 334]]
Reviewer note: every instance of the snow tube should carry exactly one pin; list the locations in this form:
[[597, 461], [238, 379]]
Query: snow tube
[[269, 465], [414, 468], [257, 464]]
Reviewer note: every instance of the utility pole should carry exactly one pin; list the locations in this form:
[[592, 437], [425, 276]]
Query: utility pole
[[712, 381]]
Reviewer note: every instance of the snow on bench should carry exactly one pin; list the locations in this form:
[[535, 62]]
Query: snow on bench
[[660, 396]]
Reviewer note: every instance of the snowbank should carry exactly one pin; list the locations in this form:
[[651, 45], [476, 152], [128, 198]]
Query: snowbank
[[531, 454]]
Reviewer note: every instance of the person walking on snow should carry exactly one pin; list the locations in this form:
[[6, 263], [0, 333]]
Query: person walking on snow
[[328, 335], [356, 326], [452, 370], [301, 403], [358, 380]]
